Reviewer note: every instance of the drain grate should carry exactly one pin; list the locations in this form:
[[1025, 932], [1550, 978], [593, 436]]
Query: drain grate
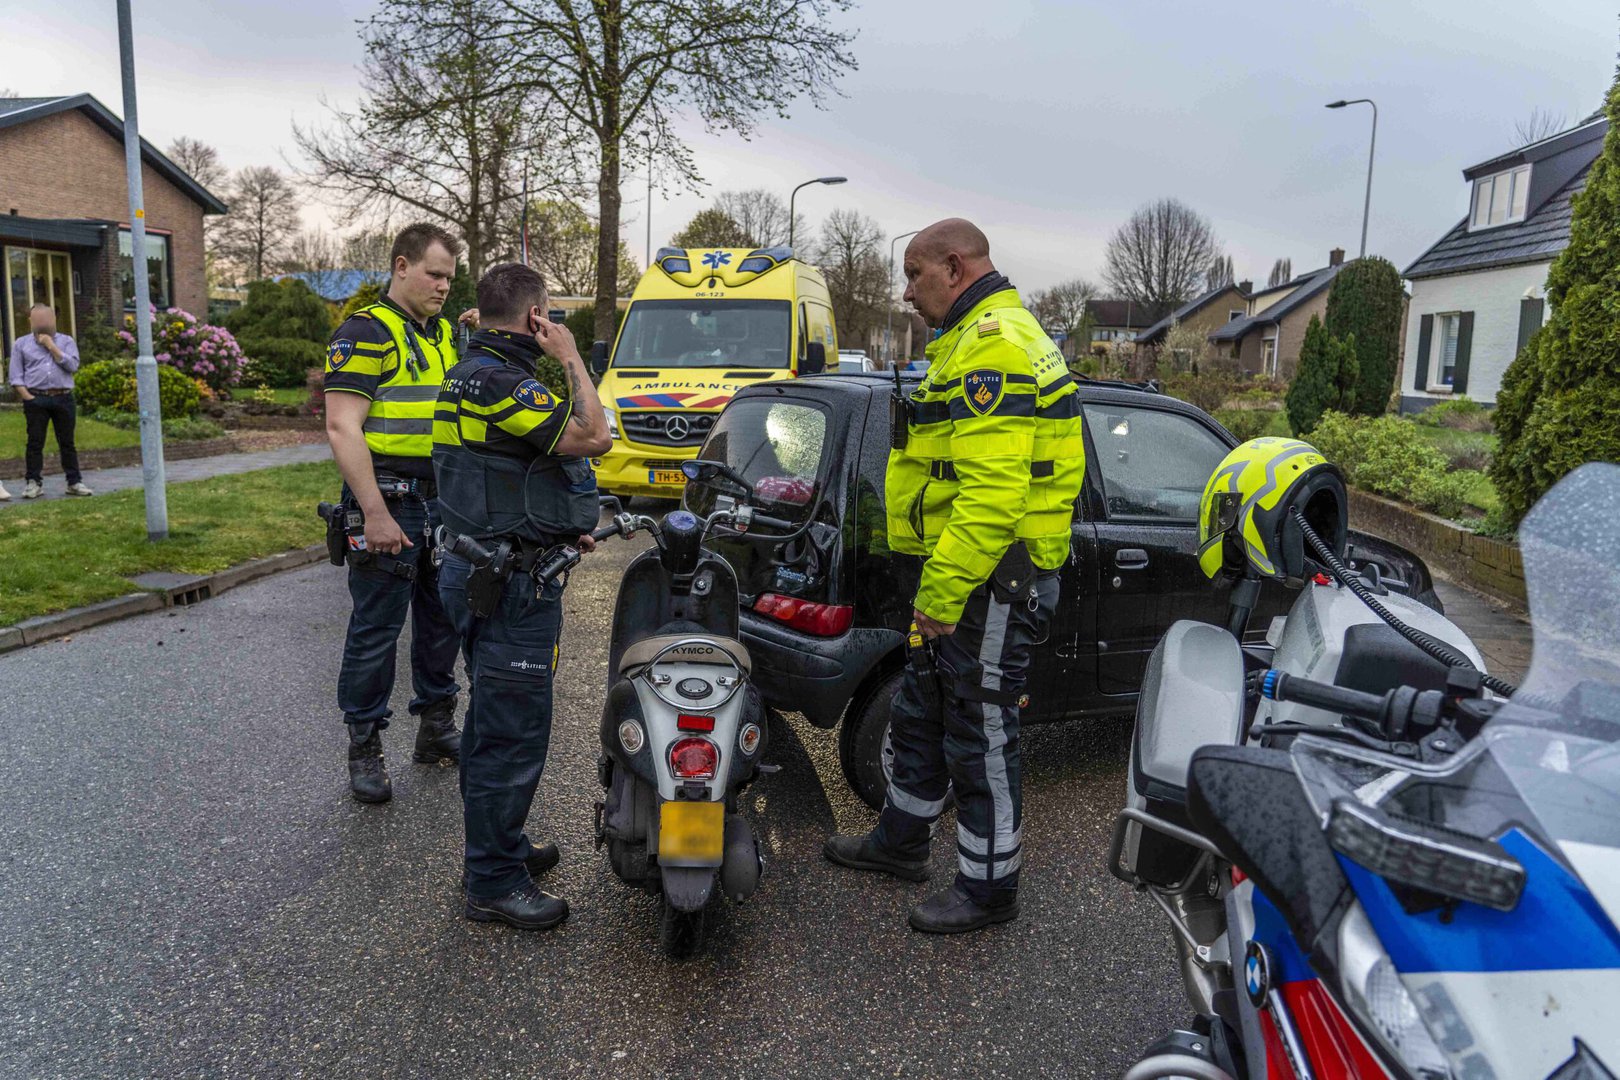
[[187, 597]]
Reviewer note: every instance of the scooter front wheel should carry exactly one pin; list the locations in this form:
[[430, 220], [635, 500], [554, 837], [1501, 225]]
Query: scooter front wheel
[[680, 932]]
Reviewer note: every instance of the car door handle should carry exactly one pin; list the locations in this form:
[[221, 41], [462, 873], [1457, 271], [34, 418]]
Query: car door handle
[[1131, 559]]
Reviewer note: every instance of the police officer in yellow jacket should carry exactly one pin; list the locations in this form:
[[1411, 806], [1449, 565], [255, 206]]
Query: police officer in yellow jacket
[[384, 366], [984, 488]]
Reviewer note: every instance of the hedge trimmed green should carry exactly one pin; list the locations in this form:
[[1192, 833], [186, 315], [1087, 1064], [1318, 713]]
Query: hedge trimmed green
[[110, 384], [281, 361], [281, 309], [1326, 380], [1365, 303]]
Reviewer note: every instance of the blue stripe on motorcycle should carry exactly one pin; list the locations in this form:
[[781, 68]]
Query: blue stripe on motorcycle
[[1289, 963], [1558, 924]]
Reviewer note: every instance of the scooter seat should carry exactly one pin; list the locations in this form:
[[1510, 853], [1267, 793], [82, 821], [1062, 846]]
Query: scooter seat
[[712, 650]]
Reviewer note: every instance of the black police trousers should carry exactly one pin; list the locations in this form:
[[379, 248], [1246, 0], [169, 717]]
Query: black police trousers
[[511, 659], [970, 745]]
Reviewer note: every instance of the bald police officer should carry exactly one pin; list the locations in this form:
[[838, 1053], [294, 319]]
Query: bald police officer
[[984, 489]]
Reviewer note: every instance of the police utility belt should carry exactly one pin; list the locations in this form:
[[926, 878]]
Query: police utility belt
[[346, 526], [493, 566]]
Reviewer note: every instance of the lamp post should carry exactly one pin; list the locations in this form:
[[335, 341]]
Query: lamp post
[[1371, 146], [888, 329], [795, 194]]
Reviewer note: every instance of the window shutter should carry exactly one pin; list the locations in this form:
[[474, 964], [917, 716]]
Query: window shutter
[[1465, 339], [1421, 362], [1531, 312]]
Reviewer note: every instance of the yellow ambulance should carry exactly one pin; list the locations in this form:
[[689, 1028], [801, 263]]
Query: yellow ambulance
[[702, 324]]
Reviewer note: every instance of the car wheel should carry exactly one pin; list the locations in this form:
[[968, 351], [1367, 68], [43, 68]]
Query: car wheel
[[863, 742]]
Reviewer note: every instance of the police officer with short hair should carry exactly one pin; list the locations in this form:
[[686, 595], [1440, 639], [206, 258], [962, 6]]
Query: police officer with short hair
[[384, 366], [509, 453], [984, 487]]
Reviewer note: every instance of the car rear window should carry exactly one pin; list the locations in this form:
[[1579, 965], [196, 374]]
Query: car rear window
[[1153, 463], [777, 445]]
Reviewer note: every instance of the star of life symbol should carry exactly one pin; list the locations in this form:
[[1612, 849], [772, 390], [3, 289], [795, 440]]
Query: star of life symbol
[[716, 259]]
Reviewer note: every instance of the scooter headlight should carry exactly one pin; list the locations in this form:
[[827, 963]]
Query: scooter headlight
[[631, 736], [1373, 991]]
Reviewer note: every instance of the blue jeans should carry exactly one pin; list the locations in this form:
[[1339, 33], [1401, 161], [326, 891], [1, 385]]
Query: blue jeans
[[382, 601], [511, 659]]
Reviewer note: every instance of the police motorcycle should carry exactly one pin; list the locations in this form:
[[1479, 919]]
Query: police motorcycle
[[1352, 868], [683, 730]]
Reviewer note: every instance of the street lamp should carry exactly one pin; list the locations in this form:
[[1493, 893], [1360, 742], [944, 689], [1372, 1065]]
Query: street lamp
[[888, 330], [1371, 145], [807, 183]]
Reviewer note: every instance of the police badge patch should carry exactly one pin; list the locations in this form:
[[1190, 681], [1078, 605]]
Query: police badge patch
[[338, 353], [531, 395], [982, 390]]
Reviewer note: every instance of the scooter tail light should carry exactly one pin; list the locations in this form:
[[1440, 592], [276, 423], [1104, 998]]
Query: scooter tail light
[[692, 758], [822, 620]]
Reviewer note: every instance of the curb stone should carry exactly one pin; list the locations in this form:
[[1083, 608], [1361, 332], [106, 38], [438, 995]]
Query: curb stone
[[45, 627]]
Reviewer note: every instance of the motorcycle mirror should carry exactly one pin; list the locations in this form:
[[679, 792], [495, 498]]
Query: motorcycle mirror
[[611, 504], [716, 474], [1418, 855]]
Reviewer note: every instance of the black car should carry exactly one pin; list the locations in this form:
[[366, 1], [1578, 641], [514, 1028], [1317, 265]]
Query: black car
[[825, 614]]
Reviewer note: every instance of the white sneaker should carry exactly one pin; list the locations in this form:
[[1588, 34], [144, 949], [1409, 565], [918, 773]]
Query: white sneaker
[[5, 496], [79, 489], [32, 490]]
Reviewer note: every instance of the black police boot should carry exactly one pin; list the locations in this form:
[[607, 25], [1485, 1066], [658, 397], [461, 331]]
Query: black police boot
[[437, 737], [368, 776], [955, 912], [527, 907], [539, 860], [863, 853]]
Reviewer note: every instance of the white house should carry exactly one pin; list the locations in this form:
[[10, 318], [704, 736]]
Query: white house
[[1479, 293]]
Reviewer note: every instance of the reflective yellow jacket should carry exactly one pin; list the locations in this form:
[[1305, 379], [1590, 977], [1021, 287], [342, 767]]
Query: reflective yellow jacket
[[994, 454], [380, 353]]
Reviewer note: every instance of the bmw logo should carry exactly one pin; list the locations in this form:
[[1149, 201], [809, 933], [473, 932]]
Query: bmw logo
[[1257, 973]]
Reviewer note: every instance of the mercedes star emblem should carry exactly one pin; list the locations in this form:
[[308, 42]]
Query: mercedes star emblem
[[676, 427]]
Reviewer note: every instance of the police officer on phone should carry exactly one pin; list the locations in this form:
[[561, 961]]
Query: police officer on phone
[[383, 370], [986, 465], [509, 455]]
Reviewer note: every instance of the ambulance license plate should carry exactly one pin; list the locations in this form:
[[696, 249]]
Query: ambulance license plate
[[665, 476], [692, 832]]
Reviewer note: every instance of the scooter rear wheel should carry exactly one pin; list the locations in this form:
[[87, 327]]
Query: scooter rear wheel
[[680, 932]]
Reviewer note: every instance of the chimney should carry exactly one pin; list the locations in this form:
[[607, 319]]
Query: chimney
[[1245, 287], [1336, 257]]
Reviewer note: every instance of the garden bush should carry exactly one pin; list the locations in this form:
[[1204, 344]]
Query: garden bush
[[363, 297], [1208, 390], [282, 309], [196, 349], [281, 361], [181, 428], [1462, 413], [1365, 303], [110, 385], [1326, 379], [1389, 456], [1246, 424], [1444, 493]]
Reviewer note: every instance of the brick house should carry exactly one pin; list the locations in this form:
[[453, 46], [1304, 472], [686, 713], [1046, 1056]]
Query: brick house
[[1266, 341], [1115, 320], [64, 217], [1205, 314]]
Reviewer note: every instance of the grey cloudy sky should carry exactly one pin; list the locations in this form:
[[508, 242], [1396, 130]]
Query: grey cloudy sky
[[1045, 121]]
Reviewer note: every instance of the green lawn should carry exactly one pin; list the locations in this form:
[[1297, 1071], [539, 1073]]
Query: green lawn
[[282, 395], [60, 555], [87, 433]]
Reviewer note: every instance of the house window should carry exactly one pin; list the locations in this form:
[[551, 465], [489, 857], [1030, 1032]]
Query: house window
[[1234, 316], [1268, 356], [1501, 198], [158, 276], [1443, 362]]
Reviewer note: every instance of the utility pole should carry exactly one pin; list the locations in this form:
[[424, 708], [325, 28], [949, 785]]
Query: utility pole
[[146, 376], [888, 327], [1372, 146]]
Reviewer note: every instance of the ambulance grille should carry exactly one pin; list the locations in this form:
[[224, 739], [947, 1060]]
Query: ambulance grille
[[654, 428]]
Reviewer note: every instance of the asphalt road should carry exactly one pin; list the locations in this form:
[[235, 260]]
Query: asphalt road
[[186, 889]]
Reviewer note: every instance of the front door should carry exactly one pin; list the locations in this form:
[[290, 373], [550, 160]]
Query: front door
[[36, 276], [1152, 465]]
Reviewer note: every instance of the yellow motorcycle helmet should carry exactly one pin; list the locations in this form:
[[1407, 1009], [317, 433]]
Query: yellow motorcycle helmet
[[1245, 519]]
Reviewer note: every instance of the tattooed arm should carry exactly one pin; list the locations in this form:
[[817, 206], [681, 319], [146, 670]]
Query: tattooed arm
[[586, 434]]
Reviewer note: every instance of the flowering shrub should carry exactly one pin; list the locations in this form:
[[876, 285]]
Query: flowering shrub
[[205, 352]]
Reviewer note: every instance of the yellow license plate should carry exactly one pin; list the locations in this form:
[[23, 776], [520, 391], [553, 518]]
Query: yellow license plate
[[692, 833], [665, 476]]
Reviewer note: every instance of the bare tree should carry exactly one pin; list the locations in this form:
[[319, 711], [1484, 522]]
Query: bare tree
[[1538, 125], [761, 214], [1159, 256], [712, 227], [316, 257], [199, 161], [1220, 274], [1063, 307], [256, 235], [562, 246], [851, 256], [368, 249], [1282, 272], [441, 130], [619, 72]]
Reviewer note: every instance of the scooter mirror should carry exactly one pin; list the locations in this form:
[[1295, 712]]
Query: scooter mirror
[[718, 475], [599, 358]]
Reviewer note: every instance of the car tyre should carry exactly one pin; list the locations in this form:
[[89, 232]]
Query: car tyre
[[863, 739]]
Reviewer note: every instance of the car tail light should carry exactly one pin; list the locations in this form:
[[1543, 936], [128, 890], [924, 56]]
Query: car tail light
[[694, 759], [689, 722], [823, 620]]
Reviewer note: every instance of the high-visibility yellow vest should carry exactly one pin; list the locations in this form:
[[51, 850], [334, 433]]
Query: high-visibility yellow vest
[[994, 454], [400, 420]]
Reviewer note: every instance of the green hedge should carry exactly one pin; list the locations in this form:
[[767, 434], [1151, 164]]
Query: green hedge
[[280, 361], [110, 384], [282, 309], [1389, 456]]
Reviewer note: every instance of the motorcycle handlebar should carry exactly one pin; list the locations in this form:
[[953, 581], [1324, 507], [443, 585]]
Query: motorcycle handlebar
[[1280, 686]]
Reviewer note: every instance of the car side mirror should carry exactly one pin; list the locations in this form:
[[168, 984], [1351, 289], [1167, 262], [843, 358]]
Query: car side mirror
[[599, 358], [815, 359]]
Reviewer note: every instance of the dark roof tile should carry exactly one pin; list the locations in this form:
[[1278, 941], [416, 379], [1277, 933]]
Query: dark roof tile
[[1537, 238]]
